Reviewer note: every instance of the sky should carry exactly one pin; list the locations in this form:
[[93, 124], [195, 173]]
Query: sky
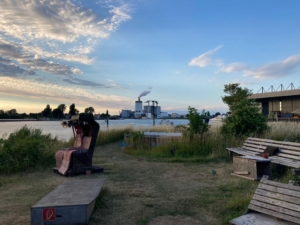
[[107, 53]]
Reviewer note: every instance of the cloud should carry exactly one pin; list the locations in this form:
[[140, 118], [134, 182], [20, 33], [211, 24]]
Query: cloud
[[276, 69], [234, 67], [271, 70], [55, 30], [13, 53], [9, 69], [205, 59], [80, 82], [75, 54], [57, 20], [42, 91]]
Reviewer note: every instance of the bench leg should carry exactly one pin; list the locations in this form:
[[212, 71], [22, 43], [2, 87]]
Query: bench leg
[[230, 155]]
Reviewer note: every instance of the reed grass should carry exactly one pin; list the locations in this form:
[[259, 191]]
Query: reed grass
[[210, 146], [284, 131], [112, 135]]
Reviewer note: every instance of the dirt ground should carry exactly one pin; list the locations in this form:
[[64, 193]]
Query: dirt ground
[[137, 191]]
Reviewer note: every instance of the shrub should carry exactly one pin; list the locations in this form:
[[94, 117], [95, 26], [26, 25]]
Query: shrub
[[246, 120], [26, 149], [197, 123]]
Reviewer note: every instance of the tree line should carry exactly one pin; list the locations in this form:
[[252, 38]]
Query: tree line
[[57, 113]]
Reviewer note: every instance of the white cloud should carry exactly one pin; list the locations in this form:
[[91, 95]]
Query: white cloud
[[205, 59], [234, 67], [282, 68], [33, 89], [55, 29], [74, 55], [56, 20], [276, 69], [14, 53]]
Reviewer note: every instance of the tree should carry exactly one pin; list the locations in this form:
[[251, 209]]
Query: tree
[[47, 111], [72, 110], [197, 123], [58, 113], [12, 112], [89, 110], [235, 94], [62, 108], [246, 119]]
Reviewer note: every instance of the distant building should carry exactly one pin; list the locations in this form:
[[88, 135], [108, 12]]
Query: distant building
[[125, 114], [281, 102]]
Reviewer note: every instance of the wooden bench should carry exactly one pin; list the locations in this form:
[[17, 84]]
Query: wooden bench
[[272, 204], [288, 153]]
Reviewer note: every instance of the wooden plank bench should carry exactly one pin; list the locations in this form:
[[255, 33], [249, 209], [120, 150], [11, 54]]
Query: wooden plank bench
[[288, 154], [273, 203]]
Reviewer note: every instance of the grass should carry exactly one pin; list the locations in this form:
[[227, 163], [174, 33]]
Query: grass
[[137, 191], [210, 147], [284, 130], [150, 185]]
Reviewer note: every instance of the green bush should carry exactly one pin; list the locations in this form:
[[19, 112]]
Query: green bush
[[26, 149], [196, 124], [246, 120]]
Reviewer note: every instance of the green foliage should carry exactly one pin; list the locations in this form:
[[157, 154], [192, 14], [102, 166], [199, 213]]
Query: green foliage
[[208, 148], [197, 124], [59, 111], [105, 115], [11, 114], [136, 140], [26, 149], [235, 94], [72, 110], [89, 110], [47, 111], [246, 120]]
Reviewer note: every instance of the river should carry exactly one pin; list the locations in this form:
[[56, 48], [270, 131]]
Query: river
[[55, 128]]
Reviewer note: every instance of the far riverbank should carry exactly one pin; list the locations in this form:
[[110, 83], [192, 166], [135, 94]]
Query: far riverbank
[[18, 120]]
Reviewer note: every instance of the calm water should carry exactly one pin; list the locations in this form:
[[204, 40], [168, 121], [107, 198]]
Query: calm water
[[55, 128]]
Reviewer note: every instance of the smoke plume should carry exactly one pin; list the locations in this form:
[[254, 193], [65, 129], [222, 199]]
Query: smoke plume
[[144, 93]]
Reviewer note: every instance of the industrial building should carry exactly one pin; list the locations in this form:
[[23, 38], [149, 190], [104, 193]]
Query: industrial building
[[282, 102], [152, 109], [126, 113]]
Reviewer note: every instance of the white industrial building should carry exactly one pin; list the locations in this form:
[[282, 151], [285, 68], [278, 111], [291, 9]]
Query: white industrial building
[[138, 109], [151, 110]]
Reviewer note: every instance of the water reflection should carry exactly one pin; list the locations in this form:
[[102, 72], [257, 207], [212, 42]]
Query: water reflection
[[55, 128]]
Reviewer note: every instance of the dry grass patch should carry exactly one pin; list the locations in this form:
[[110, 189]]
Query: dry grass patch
[[284, 130], [138, 191]]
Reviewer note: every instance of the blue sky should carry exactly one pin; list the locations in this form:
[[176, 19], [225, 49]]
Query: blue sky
[[105, 54]]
